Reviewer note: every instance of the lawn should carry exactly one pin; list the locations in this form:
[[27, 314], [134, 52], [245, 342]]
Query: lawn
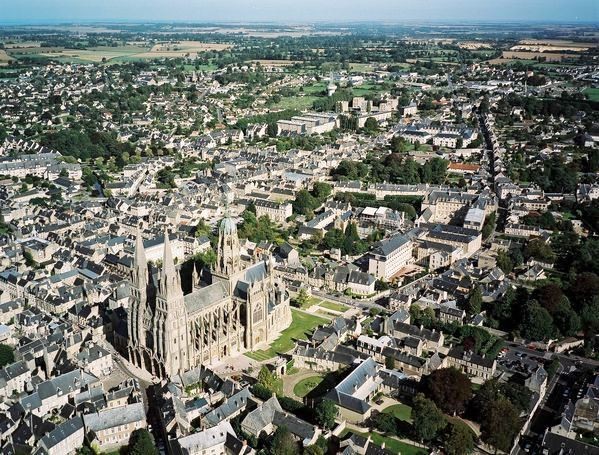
[[391, 444], [366, 89], [305, 386], [311, 301], [333, 306], [401, 411], [301, 325], [592, 93], [298, 103]]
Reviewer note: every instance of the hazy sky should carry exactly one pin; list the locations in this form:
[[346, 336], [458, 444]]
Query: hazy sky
[[397, 11]]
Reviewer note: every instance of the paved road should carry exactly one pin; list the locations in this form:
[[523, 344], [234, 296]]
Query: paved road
[[568, 359]]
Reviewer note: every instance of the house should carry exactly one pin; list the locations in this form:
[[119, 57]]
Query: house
[[352, 395], [268, 416], [220, 439], [277, 212], [65, 439], [470, 363], [432, 339], [95, 360], [111, 428], [450, 315]]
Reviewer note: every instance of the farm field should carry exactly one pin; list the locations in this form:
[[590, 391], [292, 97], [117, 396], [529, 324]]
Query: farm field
[[4, 57], [130, 52], [301, 325], [276, 62]]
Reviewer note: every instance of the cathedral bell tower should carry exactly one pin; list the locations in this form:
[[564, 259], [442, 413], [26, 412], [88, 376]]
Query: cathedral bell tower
[[138, 303], [170, 322], [228, 256]]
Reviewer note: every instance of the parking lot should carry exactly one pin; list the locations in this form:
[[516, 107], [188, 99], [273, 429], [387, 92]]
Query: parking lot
[[515, 361]]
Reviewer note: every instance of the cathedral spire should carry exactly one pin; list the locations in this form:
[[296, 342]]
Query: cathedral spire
[[139, 258], [169, 279]]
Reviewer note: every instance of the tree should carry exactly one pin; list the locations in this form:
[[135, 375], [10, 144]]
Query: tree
[[305, 203], [326, 413], [427, 419], [552, 367], [272, 129], [504, 262], [141, 443], [371, 124], [313, 450], [536, 323], [486, 395], [7, 355], [475, 301], [322, 191], [283, 443], [449, 388], [459, 438], [385, 423], [538, 249], [389, 363], [500, 424], [269, 381], [302, 298]]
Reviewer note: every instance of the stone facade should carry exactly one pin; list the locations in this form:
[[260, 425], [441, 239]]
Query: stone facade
[[244, 306]]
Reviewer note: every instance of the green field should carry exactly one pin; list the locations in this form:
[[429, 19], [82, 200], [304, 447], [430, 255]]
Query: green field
[[311, 301], [305, 386], [333, 306], [298, 103], [366, 89], [301, 325], [401, 411], [592, 93]]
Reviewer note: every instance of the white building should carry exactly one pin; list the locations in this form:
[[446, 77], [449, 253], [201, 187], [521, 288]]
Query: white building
[[389, 256]]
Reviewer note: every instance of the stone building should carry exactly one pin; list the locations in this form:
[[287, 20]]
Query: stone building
[[244, 306]]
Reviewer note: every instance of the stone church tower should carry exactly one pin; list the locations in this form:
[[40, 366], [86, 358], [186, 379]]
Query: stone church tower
[[139, 298], [245, 306], [228, 254], [170, 319]]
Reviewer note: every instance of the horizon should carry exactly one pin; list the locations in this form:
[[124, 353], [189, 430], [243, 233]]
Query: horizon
[[392, 12]]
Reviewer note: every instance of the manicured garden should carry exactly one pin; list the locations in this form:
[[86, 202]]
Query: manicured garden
[[305, 386], [333, 306], [400, 411]]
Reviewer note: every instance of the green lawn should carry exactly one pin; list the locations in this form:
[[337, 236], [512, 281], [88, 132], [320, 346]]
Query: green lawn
[[301, 325], [391, 444], [592, 93], [298, 103], [317, 88], [401, 411], [305, 386], [333, 306], [311, 301]]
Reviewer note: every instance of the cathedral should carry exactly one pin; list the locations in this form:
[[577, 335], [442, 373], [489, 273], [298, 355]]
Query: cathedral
[[169, 332]]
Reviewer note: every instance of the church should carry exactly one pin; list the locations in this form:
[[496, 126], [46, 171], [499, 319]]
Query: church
[[244, 307]]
